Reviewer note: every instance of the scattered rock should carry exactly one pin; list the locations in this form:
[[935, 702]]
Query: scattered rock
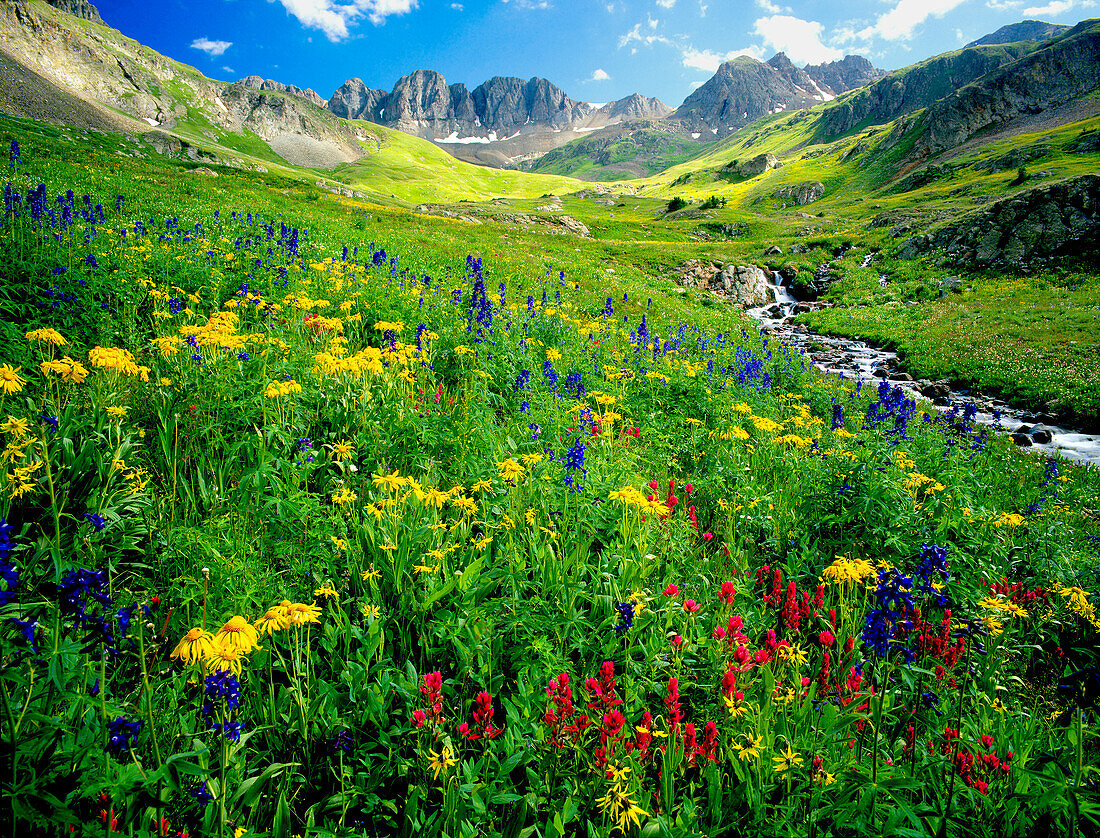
[[803, 193], [758, 165], [773, 251], [1041, 435], [1022, 440], [205, 172]]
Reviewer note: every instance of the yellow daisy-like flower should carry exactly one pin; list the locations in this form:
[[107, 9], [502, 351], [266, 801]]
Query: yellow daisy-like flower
[[273, 620], [341, 450], [372, 611], [435, 498], [301, 614], [787, 760], [390, 482], [10, 382], [223, 660], [751, 750], [117, 412], [372, 573], [326, 590], [620, 808], [510, 470], [18, 428], [344, 496], [481, 486], [237, 635], [339, 543], [531, 459], [194, 646], [442, 762]]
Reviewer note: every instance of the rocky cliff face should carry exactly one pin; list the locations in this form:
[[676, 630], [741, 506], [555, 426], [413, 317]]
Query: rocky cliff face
[[839, 77], [634, 107], [1052, 221], [1025, 30], [78, 8], [258, 83], [745, 89], [913, 88], [1057, 72], [354, 100]]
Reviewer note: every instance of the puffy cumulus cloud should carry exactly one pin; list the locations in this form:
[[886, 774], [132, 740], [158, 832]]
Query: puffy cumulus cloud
[[211, 47], [1057, 7], [334, 18], [768, 6], [709, 61], [599, 75], [800, 39], [666, 4], [898, 23]]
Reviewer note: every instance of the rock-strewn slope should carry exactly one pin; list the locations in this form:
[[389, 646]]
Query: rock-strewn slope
[[260, 83], [839, 77], [1056, 220]]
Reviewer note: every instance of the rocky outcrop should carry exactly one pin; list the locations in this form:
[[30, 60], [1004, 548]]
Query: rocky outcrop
[[746, 285], [801, 193], [850, 72], [1048, 222], [1055, 73], [258, 83], [913, 88], [1025, 30], [78, 8], [757, 165], [745, 89]]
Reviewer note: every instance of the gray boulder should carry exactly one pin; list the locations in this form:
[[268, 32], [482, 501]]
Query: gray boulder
[[803, 193], [758, 165]]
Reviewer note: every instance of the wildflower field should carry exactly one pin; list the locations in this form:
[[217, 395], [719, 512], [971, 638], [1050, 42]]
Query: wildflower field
[[306, 534]]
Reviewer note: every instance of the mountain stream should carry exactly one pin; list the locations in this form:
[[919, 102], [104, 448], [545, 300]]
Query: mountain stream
[[853, 359]]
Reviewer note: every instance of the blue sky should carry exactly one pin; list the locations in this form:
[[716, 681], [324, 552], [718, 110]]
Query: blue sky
[[596, 50]]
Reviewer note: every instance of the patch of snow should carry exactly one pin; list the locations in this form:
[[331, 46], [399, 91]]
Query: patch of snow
[[382, 114], [221, 104], [598, 105], [152, 122], [825, 97], [695, 135], [454, 138], [714, 131]]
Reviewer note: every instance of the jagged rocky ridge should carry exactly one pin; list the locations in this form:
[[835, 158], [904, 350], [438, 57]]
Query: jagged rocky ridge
[[260, 83], [1025, 30]]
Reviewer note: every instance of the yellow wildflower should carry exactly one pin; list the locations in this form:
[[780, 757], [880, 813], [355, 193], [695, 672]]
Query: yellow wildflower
[[787, 760], [117, 412], [194, 646], [510, 470], [326, 590], [237, 634], [441, 762], [10, 382], [273, 620], [341, 450], [47, 336]]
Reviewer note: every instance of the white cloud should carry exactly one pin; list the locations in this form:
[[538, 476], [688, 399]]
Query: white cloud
[[1055, 8], [703, 10], [333, 18], [211, 47], [709, 61], [959, 36], [458, 7], [666, 4], [229, 70], [768, 6], [599, 75], [635, 34], [1004, 5], [800, 39], [530, 4], [898, 23]]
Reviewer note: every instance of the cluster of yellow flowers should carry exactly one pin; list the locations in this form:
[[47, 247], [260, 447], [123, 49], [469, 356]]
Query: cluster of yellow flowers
[[229, 647], [1077, 601], [50, 336], [117, 360], [282, 388], [632, 496], [844, 570], [68, 370], [10, 380]]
